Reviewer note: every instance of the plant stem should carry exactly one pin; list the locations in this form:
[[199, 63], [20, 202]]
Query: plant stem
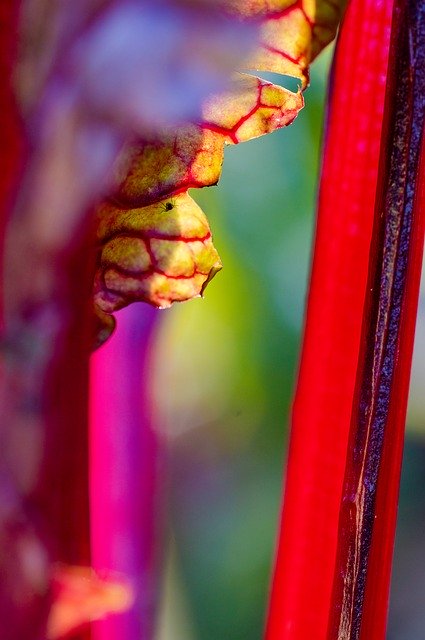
[[369, 503], [303, 577], [24, 589], [124, 479], [11, 130]]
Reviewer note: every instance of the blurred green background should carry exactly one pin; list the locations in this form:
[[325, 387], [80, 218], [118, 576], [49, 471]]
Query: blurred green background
[[224, 377]]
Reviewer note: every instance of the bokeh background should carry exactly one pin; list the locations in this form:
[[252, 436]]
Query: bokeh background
[[223, 374]]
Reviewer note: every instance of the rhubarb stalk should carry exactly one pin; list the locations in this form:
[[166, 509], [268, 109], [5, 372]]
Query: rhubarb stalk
[[303, 577], [350, 405], [372, 473]]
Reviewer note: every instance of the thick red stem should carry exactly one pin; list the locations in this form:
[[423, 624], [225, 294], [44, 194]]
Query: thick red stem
[[11, 138], [370, 495], [61, 496], [24, 598], [303, 577], [47, 341]]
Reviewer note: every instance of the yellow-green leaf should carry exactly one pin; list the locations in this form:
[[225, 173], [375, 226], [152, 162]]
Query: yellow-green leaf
[[160, 254], [155, 243]]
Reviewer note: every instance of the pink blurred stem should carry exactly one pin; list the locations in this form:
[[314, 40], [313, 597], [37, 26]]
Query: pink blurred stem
[[124, 471]]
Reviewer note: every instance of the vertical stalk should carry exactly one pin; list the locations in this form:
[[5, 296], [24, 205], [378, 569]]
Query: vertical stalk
[[47, 339], [11, 135], [369, 502], [45, 344], [24, 592], [303, 577], [62, 490], [124, 472]]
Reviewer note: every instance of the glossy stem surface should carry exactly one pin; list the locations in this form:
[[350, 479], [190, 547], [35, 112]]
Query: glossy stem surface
[[367, 518], [304, 570]]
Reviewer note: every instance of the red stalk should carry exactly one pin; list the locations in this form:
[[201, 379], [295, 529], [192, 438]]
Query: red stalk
[[376, 599], [11, 137], [124, 472], [370, 495], [302, 583], [49, 339], [43, 387], [46, 342], [24, 598]]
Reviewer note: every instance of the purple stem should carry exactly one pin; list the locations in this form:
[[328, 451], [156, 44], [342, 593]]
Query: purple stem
[[124, 477]]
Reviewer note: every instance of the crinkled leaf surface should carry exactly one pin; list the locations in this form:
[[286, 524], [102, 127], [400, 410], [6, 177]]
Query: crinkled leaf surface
[[95, 73], [192, 156], [159, 254], [293, 32], [148, 249]]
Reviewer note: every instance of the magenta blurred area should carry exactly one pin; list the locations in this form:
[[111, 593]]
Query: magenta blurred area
[[125, 483]]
